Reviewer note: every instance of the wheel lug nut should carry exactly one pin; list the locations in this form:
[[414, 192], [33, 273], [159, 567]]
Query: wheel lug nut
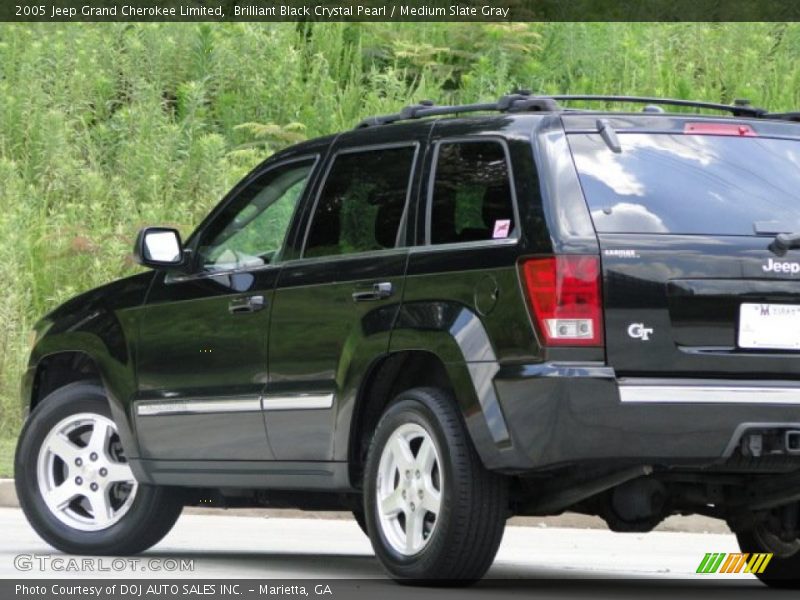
[[416, 474], [103, 472], [94, 487], [93, 456], [413, 507], [78, 462], [420, 494], [408, 474], [404, 494], [79, 481]]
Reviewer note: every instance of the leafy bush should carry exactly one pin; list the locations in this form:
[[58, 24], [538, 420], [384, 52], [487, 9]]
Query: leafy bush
[[108, 127]]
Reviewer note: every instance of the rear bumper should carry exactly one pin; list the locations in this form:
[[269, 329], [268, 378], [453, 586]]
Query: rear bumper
[[566, 413]]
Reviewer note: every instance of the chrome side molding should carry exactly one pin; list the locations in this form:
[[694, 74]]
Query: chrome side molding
[[708, 394], [191, 406], [198, 406], [297, 402]]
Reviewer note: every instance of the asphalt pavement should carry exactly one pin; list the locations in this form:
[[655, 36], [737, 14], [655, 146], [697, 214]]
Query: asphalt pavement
[[223, 546]]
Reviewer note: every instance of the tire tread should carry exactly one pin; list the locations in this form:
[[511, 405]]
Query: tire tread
[[478, 499], [155, 509]]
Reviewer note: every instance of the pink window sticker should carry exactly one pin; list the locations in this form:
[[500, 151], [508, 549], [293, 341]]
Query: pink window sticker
[[501, 228]]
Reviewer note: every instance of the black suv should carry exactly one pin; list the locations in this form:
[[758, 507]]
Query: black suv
[[440, 323]]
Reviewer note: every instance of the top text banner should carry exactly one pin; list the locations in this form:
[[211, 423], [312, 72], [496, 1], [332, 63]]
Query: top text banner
[[412, 10]]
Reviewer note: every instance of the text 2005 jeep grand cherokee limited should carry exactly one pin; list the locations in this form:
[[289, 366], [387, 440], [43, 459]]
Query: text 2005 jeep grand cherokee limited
[[440, 323]]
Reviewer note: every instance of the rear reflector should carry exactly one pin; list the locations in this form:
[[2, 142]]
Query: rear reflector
[[719, 129], [565, 299]]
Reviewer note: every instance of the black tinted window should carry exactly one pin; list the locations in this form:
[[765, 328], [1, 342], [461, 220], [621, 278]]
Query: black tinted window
[[251, 229], [689, 184], [362, 202], [471, 193]]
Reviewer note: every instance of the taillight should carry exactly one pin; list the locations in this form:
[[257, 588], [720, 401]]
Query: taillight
[[565, 299]]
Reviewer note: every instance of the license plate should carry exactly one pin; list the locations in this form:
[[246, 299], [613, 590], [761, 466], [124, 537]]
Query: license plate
[[773, 326]]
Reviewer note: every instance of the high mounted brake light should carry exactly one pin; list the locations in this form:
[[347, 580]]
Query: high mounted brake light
[[565, 299], [719, 129]]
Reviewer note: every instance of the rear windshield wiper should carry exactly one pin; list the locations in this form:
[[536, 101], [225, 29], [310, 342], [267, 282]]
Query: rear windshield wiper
[[784, 242], [609, 135]]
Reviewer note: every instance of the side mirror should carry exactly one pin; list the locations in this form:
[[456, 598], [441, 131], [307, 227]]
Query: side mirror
[[159, 247]]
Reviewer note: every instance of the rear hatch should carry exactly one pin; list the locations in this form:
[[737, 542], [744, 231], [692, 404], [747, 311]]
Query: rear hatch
[[685, 211]]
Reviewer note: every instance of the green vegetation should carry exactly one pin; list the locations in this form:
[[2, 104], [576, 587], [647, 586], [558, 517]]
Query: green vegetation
[[107, 127], [7, 456]]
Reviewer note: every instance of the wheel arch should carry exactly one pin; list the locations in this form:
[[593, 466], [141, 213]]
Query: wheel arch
[[55, 364], [388, 376], [56, 370], [401, 370]]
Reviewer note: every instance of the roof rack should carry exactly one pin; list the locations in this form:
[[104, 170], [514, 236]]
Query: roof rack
[[524, 101], [515, 102], [739, 108], [784, 116]]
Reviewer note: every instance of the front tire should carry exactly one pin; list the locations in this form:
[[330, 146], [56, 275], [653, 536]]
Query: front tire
[[432, 510], [74, 483]]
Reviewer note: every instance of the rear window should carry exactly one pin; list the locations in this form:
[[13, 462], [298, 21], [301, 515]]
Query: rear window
[[690, 184]]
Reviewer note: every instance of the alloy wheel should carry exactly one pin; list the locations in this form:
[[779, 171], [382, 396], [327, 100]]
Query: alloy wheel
[[409, 489], [83, 476]]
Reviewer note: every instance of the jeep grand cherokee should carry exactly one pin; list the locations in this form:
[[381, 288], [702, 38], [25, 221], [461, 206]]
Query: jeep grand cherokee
[[438, 323]]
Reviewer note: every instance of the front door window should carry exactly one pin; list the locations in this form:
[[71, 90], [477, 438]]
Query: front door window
[[251, 230]]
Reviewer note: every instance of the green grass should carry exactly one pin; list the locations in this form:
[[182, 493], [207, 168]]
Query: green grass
[[105, 127], [7, 446]]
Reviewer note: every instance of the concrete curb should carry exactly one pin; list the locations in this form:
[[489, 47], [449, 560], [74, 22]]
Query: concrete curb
[[8, 495], [691, 524]]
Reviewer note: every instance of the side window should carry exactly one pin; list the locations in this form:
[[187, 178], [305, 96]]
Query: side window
[[361, 203], [471, 195], [251, 230]]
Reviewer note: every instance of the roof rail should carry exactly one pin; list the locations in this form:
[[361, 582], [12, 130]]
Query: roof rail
[[525, 101], [740, 107], [515, 102], [784, 116]]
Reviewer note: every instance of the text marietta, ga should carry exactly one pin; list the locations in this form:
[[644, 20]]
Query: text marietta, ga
[[144, 590]]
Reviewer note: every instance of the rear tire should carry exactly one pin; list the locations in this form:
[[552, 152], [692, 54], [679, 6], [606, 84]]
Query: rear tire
[[781, 573], [74, 484], [433, 512], [361, 521]]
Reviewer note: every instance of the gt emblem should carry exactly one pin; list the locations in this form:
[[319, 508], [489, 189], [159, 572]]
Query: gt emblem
[[639, 331]]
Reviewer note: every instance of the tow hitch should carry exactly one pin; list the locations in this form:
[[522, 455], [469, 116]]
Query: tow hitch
[[770, 441]]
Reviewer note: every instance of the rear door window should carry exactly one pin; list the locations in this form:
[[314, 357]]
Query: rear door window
[[362, 202], [690, 184], [471, 198]]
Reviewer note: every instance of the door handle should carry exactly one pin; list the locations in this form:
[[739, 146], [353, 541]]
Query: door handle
[[379, 291], [248, 304]]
